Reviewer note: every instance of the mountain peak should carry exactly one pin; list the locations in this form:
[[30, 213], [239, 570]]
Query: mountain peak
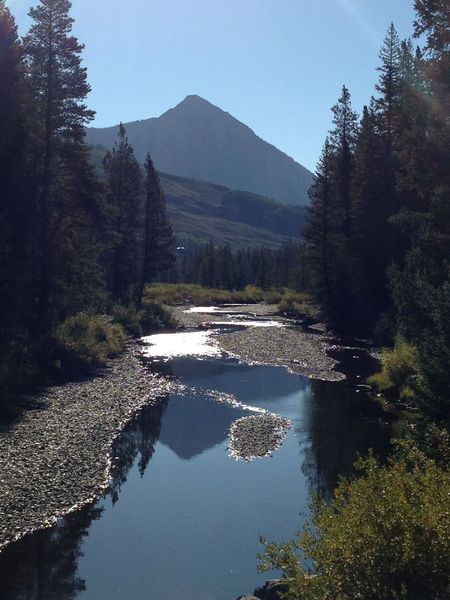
[[199, 140], [194, 98], [195, 102]]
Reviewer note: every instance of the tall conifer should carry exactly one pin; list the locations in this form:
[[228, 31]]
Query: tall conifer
[[59, 86]]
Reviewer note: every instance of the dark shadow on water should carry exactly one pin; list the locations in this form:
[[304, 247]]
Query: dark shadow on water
[[342, 424]]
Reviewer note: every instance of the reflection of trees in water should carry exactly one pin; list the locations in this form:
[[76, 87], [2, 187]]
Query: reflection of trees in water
[[44, 565], [340, 424], [138, 438]]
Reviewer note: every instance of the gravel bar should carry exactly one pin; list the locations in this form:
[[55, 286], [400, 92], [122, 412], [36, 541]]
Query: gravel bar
[[257, 436], [55, 460], [299, 351]]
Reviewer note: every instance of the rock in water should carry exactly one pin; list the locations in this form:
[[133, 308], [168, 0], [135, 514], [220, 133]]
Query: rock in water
[[271, 590]]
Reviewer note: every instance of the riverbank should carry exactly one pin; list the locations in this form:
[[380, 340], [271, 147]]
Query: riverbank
[[57, 458], [299, 351]]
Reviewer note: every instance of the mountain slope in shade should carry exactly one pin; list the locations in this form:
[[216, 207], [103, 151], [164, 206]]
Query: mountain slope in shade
[[201, 212], [198, 140]]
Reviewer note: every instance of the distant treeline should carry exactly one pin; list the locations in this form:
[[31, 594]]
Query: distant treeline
[[379, 220], [224, 268]]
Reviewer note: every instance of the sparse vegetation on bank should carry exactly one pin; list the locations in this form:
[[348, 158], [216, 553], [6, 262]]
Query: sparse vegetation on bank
[[290, 302], [189, 293]]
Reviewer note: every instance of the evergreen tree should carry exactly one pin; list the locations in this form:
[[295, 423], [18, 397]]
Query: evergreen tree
[[13, 214], [375, 240], [343, 138], [59, 86], [158, 238], [323, 228], [124, 202], [387, 104]]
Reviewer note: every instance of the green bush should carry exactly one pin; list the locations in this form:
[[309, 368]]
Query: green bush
[[151, 316], [384, 536], [298, 304], [400, 370], [91, 339]]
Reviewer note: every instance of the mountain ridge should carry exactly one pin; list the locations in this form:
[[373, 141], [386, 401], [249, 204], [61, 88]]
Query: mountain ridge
[[198, 140]]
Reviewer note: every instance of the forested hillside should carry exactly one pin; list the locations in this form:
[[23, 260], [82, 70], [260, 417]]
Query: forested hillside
[[202, 212]]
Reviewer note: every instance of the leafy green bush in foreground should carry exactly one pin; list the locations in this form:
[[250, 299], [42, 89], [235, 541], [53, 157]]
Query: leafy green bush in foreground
[[91, 339], [385, 536]]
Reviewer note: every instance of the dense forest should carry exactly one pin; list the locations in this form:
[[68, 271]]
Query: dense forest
[[75, 243], [379, 220], [220, 267]]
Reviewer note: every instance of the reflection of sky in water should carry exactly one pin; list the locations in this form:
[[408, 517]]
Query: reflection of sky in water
[[194, 343]]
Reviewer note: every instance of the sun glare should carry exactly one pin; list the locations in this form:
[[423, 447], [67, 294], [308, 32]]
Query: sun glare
[[355, 13]]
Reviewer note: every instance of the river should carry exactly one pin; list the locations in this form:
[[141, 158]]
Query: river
[[182, 518]]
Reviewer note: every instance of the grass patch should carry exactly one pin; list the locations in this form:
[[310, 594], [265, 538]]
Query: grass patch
[[152, 316], [184, 293]]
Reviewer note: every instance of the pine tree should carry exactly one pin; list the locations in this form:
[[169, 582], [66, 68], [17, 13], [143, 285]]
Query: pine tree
[[372, 207], [124, 202], [387, 105], [158, 238], [324, 232], [59, 86], [16, 214], [342, 139]]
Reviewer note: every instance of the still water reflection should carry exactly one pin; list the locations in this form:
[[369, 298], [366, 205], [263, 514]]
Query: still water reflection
[[182, 519]]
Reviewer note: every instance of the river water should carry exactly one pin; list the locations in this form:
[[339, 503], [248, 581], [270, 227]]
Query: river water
[[182, 518]]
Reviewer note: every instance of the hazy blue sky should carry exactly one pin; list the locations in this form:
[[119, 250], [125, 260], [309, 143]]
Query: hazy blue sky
[[276, 65]]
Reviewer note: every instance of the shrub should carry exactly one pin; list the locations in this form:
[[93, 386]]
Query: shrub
[[384, 536], [298, 304], [91, 339], [400, 370], [137, 322]]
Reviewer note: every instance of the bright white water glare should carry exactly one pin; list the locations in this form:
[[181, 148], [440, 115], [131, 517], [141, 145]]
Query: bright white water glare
[[249, 323], [192, 343]]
